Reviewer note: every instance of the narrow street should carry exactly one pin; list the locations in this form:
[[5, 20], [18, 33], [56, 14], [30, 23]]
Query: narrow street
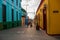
[[29, 19], [25, 33]]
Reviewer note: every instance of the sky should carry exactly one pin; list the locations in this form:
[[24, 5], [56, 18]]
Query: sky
[[30, 6]]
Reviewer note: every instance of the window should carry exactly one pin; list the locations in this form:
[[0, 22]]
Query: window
[[4, 13], [17, 2], [12, 1]]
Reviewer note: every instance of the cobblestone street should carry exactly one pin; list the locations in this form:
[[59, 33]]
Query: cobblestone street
[[24, 33]]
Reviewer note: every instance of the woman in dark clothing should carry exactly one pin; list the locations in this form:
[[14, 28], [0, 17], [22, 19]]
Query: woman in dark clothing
[[31, 24], [37, 27]]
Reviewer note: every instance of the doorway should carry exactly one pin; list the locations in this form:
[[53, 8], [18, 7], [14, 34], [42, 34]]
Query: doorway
[[12, 18], [44, 18], [17, 17], [4, 16]]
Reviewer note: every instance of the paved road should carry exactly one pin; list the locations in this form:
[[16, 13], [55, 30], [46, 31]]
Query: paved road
[[23, 33]]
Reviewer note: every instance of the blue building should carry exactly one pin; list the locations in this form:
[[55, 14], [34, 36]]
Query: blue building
[[10, 13]]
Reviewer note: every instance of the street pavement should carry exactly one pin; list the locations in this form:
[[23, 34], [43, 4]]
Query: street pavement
[[26, 33]]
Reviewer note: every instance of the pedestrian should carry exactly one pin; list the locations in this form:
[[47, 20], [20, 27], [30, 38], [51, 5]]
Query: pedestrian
[[31, 24], [37, 27], [26, 22]]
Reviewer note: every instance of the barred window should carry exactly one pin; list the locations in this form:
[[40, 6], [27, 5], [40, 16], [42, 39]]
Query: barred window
[[12, 1], [17, 2]]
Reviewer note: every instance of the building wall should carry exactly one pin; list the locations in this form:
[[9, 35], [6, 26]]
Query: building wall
[[40, 11], [52, 15], [16, 13]]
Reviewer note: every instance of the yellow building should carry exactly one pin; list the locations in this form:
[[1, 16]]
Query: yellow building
[[49, 11]]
